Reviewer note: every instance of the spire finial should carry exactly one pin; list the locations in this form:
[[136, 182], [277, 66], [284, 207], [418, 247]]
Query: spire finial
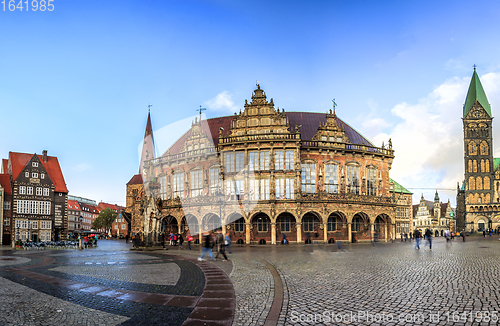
[[149, 107], [201, 110], [474, 67], [334, 105]]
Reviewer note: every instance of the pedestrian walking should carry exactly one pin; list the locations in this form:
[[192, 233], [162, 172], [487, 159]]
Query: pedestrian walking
[[428, 235], [285, 241], [190, 238], [406, 236], [462, 234], [402, 236], [207, 246], [417, 237], [180, 239], [484, 233], [220, 246], [228, 242]]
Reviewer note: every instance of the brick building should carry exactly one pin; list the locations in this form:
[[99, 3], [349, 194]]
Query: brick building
[[265, 173], [39, 197], [404, 202]]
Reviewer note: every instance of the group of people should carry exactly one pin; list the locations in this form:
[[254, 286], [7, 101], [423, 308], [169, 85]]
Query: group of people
[[217, 240], [490, 232]]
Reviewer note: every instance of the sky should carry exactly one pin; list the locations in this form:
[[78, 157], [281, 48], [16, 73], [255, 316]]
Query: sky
[[77, 81]]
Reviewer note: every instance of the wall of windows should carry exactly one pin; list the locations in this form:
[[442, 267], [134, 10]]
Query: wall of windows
[[332, 178], [283, 160], [196, 183], [234, 162], [285, 188], [353, 182], [258, 160], [309, 178]]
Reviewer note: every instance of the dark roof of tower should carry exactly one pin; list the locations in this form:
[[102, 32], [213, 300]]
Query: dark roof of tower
[[136, 179], [309, 121], [476, 93]]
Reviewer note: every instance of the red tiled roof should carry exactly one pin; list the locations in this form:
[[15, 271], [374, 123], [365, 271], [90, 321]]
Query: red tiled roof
[[136, 180], [102, 206], [5, 165], [310, 122], [73, 205], [5, 182], [19, 160]]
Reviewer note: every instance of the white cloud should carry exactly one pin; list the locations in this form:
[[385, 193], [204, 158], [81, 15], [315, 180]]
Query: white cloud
[[222, 103], [82, 167], [428, 142]]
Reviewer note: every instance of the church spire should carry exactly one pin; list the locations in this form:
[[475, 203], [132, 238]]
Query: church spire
[[476, 93], [148, 146]]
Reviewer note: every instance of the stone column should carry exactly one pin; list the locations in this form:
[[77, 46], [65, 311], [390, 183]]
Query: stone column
[[386, 229], [372, 236], [200, 236], [247, 233], [299, 232], [325, 232], [224, 229], [349, 232], [273, 233]]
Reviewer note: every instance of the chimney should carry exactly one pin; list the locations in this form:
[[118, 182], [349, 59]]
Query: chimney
[[44, 156]]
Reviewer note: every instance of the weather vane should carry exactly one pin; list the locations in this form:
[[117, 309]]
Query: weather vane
[[149, 107], [474, 66], [201, 110]]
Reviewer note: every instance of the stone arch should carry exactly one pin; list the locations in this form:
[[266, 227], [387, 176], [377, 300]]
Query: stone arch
[[260, 227], [360, 227], [286, 224], [382, 227], [169, 224], [236, 227], [312, 227], [336, 227], [193, 224], [211, 222]]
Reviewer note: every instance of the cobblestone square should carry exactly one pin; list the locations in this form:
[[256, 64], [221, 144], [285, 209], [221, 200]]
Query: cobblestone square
[[358, 284]]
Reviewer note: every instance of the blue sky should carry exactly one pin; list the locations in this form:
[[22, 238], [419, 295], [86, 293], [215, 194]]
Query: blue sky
[[77, 81]]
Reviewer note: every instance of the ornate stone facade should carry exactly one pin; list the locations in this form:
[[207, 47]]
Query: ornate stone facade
[[265, 173], [479, 197]]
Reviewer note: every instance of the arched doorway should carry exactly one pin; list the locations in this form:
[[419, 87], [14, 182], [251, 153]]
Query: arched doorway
[[335, 227], [261, 228], [360, 228], [312, 228], [193, 225], [285, 225], [236, 227], [212, 223], [382, 228]]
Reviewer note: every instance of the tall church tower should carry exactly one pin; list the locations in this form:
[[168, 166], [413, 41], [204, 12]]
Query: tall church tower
[[479, 192]]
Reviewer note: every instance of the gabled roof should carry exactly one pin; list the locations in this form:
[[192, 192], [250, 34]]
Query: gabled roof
[[476, 93], [136, 180], [309, 121], [102, 206], [5, 165], [5, 182], [19, 160], [399, 188]]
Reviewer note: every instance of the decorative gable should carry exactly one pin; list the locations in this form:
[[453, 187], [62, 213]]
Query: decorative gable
[[259, 117], [329, 131]]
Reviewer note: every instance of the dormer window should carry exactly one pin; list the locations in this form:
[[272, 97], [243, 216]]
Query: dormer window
[[42, 175], [27, 174], [34, 164], [35, 175]]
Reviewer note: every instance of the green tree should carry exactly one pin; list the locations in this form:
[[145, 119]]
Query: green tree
[[105, 219]]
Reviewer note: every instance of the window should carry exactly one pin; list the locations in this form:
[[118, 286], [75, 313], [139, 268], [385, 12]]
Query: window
[[264, 160], [123, 226], [34, 224], [196, 183], [42, 175], [235, 189], [279, 160], [179, 185], [215, 181], [6, 205], [29, 190], [22, 190], [45, 207], [163, 187], [332, 178], [35, 175], [22, 206], [309, 178], [332, 224], [353, 179], [285, 188], [253, 161], [38, 191], [262, 224], [116, 226], [264, 189], [234, 162], [308, 223], [355, 226], [253, 185], [18, 224], [24, 224], [239, 225], [6, 222], [34, 207], [34, 164], [289, 161], [285, 223], [371, 181], [258, 160], [27, 174]]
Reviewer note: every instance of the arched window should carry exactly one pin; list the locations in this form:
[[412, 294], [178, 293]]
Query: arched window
[[484, 148], [482, 166], [479, 183], [470, 166], [486, 185], [472, 183], [474, 166], [472, 148], [487, 165]]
